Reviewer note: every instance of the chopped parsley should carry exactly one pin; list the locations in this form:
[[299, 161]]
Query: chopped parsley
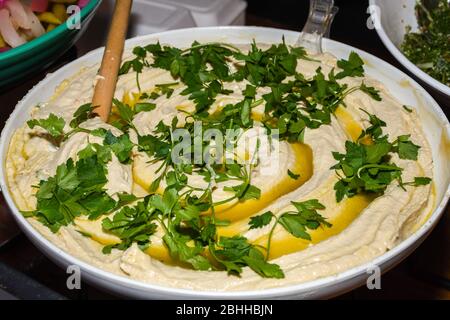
[[407, 109], [293, 175], [371, 91], [76, 189], [53, 125], [429, 48], [296, 222], [84, 112], [368, 167], [353, 67]]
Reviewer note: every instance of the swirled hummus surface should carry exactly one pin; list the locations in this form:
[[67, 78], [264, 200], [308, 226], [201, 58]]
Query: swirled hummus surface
[[346, 177]]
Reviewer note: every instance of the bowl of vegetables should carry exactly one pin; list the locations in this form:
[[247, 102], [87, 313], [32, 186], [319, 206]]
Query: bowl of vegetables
[[417, 33], [35, 33]]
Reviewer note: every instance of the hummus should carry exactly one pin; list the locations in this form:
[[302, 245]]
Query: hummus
[[362, 227]]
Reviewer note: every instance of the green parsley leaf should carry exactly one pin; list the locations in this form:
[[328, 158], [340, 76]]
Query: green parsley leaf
[[293, 175], [418, 181], [166, 203], [407, 109], [130, 224], [97, 204], [260, 220], [255, 260], [144, 106], [179, 250], [121, 146], [353, 67], [245, 113], [250, 91], [305, 217], [405, 148], [294, 224], [53, 125], [367, 168], [188, 213], [371, 91], [233, 253], [421, 181], [166, 88], [76, 189], [375, 130], [83, 113], [245, 191], [153, 146], [125, 112]]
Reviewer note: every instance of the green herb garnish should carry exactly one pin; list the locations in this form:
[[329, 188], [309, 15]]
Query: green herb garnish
[[293, 175], [368, 167], [296, 222], [53, 125], [76, 189], [429, 48]]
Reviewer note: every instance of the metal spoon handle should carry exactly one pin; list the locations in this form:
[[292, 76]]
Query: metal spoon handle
[[321, 14]]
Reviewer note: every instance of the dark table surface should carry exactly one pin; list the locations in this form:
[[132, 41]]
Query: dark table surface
[[425, 274]]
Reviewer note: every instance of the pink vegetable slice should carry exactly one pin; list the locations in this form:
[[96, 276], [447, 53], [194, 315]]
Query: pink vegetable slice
[[36, 27], [18, 13], [7, 30], [83, 3], [39, 5], [4, 49]]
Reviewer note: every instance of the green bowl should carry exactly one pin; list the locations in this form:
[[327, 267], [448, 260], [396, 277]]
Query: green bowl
[[37, 54]]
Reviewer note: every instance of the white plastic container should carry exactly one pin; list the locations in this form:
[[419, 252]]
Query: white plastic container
[[207, 13], [152, 16], [392, 17], [149, 16], [146, 17]]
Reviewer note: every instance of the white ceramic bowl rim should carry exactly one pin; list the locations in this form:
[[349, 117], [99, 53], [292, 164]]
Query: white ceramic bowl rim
[[254, 294], [398, 54]]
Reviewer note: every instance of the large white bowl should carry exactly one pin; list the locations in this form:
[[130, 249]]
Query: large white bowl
[[393, 18], [436, 126]]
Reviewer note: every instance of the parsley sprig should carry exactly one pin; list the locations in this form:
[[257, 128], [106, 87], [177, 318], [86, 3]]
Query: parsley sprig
[[296, 222], [54, 125], [368, 167], [76, 189]]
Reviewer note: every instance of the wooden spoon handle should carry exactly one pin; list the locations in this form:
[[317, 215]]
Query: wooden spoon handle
[[112, 56]]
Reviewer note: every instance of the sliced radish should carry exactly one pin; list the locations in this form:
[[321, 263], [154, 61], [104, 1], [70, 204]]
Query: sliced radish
[[18, 13], [83, 3], [7, 30], [39, 5], [36, 27]]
